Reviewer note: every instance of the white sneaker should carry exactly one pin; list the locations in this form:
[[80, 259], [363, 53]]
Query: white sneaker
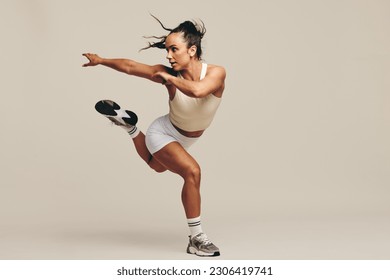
[[200, 245]]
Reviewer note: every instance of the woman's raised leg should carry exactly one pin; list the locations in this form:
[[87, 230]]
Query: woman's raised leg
[[143, 152]]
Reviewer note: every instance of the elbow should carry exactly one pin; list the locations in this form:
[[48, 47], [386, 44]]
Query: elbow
[[129, 66]]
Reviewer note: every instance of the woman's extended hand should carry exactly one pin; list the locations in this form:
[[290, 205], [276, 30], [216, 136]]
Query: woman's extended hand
[[94, 59]]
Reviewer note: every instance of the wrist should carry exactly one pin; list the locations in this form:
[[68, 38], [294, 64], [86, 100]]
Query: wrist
[[102, 61]]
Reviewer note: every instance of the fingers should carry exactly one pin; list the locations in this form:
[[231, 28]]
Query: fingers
[[158, 77], [86, 64], [89, 56]]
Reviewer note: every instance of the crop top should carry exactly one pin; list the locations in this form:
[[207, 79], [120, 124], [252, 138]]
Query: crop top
[[190, 113]]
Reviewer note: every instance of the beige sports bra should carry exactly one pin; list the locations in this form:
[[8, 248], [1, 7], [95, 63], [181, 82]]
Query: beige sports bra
[[193, 114]]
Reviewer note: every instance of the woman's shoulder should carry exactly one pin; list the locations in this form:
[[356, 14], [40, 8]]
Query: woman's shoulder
[[216, 69], [214, 66]]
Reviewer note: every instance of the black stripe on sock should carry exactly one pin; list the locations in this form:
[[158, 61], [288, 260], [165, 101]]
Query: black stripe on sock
[[133, 130], [194, 224]]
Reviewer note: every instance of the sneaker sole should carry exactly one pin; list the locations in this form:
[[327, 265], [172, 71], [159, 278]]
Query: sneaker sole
[[109, 109], [132, 119], [194, 251]]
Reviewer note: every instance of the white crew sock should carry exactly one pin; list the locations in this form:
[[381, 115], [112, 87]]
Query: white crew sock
[[132, 131], [195, 226]]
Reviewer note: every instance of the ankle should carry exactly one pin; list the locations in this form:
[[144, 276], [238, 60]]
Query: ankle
[[195, 226], [133, 132]]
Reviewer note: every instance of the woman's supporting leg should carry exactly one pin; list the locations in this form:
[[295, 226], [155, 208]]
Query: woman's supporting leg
[[176, 159]]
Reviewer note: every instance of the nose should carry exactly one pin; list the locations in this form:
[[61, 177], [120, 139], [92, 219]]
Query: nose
[[169, 56]]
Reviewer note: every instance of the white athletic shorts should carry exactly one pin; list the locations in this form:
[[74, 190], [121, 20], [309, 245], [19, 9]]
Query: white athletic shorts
[[161, 132]]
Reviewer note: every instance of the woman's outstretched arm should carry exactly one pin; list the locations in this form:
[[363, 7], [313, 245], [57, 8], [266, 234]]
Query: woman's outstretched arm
[[128, 66]]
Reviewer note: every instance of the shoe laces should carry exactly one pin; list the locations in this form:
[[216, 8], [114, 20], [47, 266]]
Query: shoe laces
[[204, 239]]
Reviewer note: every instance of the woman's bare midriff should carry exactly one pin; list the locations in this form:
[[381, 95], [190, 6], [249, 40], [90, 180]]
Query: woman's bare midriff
[[190, 134]]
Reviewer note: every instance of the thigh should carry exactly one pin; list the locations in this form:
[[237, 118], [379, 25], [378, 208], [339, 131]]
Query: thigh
[[176, 159], [156, 136]]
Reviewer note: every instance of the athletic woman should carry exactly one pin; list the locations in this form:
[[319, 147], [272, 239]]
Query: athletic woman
[[195, 91]]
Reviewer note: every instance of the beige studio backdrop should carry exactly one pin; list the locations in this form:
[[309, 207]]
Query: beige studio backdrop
[[295, 166]]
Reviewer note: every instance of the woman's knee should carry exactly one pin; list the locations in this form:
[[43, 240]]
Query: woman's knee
[[192, 173]]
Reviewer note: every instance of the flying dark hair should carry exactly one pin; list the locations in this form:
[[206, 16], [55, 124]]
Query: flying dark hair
[[193, 32]]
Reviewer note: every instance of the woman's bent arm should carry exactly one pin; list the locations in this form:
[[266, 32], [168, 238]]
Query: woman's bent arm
[[212, 83]]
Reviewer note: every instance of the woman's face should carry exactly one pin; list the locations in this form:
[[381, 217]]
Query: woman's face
[[178, 54]]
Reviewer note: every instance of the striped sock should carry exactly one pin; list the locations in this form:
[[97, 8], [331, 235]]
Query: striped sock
[[195, 226], [133, 132]]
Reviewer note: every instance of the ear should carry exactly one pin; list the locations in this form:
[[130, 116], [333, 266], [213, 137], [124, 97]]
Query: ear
[[192, 51]]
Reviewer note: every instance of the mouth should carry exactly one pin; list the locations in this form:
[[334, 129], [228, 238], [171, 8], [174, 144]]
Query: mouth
[[172, 63]]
